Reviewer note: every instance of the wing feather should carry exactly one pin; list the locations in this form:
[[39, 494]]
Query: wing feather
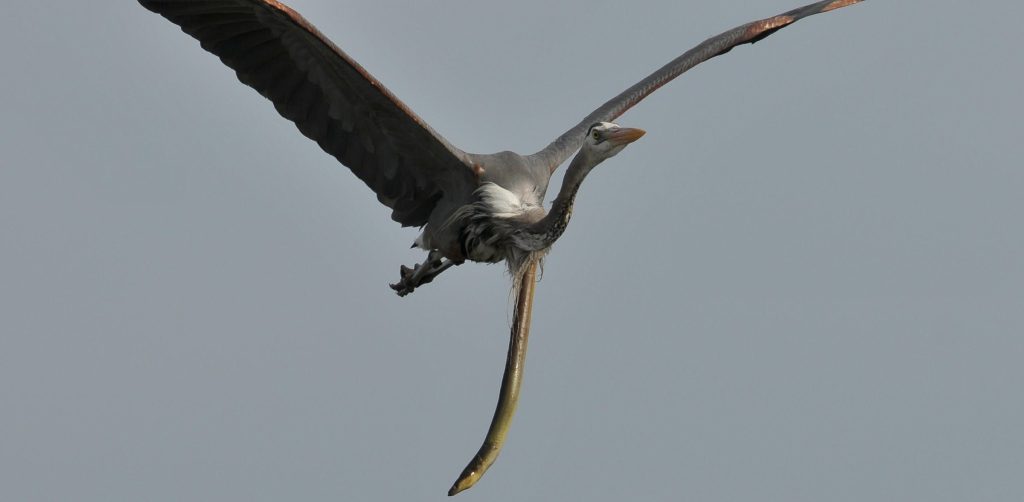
[[554, 154], [331, 98]]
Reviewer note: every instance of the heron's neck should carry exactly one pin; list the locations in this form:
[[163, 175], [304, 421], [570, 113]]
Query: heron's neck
[[548, 229]]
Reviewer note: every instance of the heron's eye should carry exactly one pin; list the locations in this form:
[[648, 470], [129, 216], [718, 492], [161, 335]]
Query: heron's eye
[[597, 135]]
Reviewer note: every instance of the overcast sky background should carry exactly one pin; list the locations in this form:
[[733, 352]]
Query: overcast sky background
[[805, 283]]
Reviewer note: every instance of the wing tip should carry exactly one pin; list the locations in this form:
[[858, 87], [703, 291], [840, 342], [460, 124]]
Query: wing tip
[[837, 4]]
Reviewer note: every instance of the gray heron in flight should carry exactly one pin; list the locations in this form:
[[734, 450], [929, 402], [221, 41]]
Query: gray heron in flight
[[476, 207]]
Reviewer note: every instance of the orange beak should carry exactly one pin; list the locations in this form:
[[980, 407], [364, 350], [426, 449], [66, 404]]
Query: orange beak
[[624, 135]]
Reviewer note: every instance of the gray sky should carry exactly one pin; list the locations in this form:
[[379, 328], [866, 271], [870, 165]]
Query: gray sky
[[805, 283]]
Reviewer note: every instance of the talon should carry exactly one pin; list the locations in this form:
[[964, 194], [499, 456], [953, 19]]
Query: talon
[[420, 274], [401, 288]]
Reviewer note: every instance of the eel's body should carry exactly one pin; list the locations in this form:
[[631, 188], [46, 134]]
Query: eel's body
[[511, 381]]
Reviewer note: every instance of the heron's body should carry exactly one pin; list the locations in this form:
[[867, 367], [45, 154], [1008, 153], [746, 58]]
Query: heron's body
[[507, 188], [475, 207], [487, 223]]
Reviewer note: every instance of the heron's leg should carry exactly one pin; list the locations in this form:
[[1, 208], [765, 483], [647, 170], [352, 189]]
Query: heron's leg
[[421, 273]]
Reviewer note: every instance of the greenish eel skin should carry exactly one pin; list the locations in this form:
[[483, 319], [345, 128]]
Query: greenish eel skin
[[511, 381]]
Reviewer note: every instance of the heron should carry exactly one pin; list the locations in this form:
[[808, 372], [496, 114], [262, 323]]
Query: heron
[[470, 207]]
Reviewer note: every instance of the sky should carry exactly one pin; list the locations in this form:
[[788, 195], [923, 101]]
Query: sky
[[805, 283]]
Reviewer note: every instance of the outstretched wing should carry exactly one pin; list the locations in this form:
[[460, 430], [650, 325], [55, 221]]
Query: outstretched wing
[[331, 99], [560, 149]]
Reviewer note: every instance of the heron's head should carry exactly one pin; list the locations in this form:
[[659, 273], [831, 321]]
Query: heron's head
[[605, 139]]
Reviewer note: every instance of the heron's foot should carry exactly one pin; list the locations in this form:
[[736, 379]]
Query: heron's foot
[[406, 284], [421, 273]]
